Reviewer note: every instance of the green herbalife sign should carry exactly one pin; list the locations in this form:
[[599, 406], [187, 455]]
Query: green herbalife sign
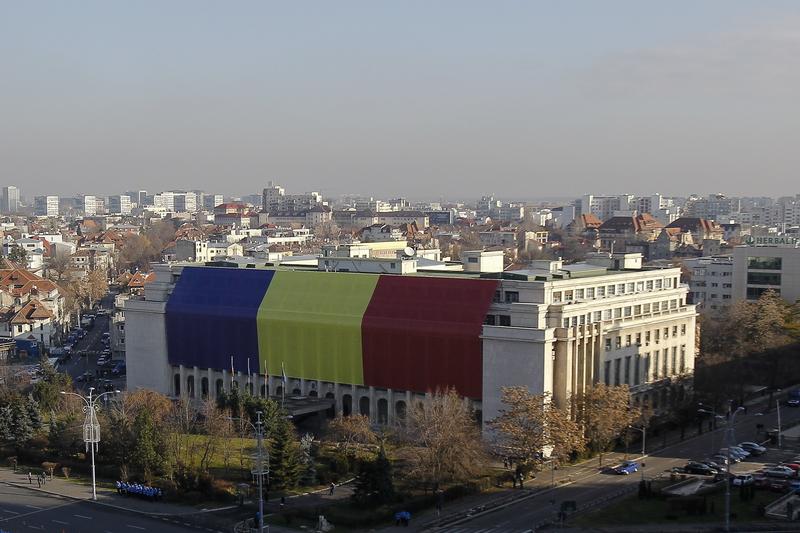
[[777, 240]]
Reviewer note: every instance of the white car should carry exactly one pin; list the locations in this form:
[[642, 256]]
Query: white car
[[743, 479], [752, 447], [779, 471]]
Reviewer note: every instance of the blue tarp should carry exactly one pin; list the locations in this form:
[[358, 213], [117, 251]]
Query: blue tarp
[[211, 316]]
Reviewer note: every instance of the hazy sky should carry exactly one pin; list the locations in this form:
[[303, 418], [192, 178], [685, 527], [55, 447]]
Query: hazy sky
[[420, 98]]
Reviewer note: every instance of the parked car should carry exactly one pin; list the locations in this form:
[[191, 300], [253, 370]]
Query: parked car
[[741, 451], [742, 479], [794, 398], [794, 466], [753, 448], [779, 472], [712, 464], [119, 369], [722, 459], [734, 453], [86, 376], [700, 468], [626, 468]]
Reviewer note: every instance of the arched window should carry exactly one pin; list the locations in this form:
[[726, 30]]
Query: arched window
[[400, 410], [204, 387], [383, 411], [219, 387], [347, 405], [190, 386], [176, 386], [297, 392], [363, 405], [312, 394]]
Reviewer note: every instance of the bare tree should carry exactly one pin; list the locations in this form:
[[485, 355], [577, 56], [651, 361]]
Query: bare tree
[[532, 426], [446, 444], [351, 430], [605, 413]]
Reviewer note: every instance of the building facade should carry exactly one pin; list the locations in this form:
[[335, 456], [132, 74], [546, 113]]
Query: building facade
[[45, 206], [776, 267], [373, 343]]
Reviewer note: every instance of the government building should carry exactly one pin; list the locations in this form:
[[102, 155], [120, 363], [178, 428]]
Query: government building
[[373, 343]]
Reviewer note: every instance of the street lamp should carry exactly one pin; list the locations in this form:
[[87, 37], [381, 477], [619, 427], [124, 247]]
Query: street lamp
[[730, 442], [91, 427], [259, 467], [714, 418], [778, 406], [643, 429]]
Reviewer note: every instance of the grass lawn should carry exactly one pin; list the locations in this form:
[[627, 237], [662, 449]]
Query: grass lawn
[[631, 511]]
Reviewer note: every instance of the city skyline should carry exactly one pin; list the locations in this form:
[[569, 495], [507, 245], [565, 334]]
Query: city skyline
[[528, 99]]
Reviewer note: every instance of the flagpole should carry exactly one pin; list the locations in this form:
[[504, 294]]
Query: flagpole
[[232, 373], [283, 389], [248, 374]]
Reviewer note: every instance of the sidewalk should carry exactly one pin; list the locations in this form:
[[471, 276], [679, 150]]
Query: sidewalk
[[478, 503], [79, 491], [470, 505]]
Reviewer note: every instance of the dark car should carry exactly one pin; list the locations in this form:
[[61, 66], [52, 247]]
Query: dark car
[[700, 469], [120, 369], [713, 464]]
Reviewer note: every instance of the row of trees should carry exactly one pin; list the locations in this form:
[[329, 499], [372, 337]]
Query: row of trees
[[532, 429], [748, 338]]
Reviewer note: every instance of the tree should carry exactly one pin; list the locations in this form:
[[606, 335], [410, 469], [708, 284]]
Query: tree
[[137, 253], [285, 461], [605, 413], [47, 391], [18, 255], [148, 451], [58, 266], [446, 444], [532, 425], [327, 231], [309, 474], [350, 431], [373, 485]]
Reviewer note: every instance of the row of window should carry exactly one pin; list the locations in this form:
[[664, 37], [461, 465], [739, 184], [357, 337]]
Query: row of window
[[724, 285], [656, 335], [497, 320], [764, 263], [623, 312], [614, 289], [662, 364]]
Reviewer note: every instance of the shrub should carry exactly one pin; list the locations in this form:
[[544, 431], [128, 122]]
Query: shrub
[[65, 471]]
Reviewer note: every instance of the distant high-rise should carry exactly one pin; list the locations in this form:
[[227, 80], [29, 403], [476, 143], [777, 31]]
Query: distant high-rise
[[10, 200], [119, 204], [45, 206], [89, 205], [210, 201]]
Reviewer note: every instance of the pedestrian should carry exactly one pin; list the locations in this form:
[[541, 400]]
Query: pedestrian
[[505, 463], [283, 502], [30, 478], [39, 481], [332, 488]]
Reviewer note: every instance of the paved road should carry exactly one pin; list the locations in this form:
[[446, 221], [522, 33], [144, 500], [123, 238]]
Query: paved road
[[92, 342], [595, 485], [23, 510]]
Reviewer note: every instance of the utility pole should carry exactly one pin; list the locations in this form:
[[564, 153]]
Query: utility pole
[[730, 442], [260, 468]]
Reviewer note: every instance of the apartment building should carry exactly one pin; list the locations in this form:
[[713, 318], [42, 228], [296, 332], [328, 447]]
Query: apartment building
[[45, 206], [710, 281], [119, 204]]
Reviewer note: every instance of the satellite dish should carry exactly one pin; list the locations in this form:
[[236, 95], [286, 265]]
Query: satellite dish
[[409, 251]]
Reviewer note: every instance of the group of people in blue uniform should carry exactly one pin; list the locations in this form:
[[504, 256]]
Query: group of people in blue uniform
[[137, 489]]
